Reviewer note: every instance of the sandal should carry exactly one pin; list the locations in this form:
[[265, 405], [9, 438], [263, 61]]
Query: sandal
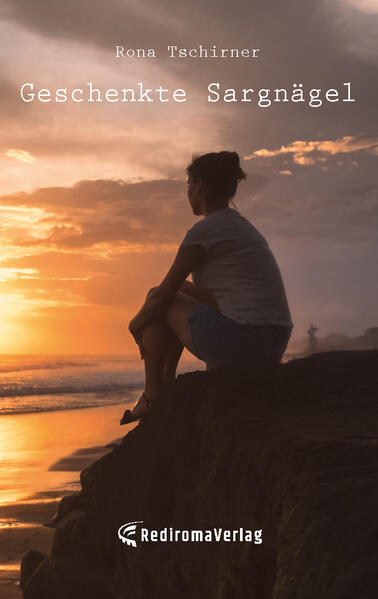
[[129, 417]]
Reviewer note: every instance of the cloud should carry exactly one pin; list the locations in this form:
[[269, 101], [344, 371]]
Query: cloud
[[317, 208], [118, 280], [73, 20], [67, 42], [111, 215], [354, 23], [110, 236], [14, 273], [22, 155], [346, 145], [367, 6]]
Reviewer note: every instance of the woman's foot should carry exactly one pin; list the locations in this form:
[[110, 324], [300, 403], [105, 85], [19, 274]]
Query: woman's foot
[[140, 409], [142, 406]]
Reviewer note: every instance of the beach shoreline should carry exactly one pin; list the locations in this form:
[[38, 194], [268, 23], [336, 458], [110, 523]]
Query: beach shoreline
[[48, 469]]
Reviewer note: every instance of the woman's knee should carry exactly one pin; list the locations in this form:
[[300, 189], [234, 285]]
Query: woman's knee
[[150, 292]]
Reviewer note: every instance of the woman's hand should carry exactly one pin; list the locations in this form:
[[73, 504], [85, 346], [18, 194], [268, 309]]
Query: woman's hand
[[159, 298]]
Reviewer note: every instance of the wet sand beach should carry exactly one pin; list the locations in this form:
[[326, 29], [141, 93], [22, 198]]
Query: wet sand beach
[[42, 456]]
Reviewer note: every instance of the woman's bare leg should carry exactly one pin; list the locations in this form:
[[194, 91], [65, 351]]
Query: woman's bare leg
[[173, 355], [168, 344], [157, 348], [173, 346], [162, 352], [163, 342]]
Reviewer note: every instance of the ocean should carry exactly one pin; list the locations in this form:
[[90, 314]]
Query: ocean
[[33, 383]]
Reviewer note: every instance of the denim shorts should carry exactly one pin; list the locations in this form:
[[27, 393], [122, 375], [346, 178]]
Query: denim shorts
[[223, 343]]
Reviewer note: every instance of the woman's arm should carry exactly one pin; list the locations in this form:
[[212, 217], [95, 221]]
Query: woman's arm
[[187, 259]]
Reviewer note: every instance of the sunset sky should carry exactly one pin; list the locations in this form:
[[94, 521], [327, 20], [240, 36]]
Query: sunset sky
[[93, 195]]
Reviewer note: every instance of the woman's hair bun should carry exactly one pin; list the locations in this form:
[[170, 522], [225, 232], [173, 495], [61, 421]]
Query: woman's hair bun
[[220, 172], [231, 160]]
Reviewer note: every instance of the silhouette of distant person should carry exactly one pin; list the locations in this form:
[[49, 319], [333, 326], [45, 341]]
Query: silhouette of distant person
[[235, 312], [312, 340]]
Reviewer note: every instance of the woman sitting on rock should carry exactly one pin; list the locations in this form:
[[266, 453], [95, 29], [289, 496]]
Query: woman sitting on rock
[[235, 313]]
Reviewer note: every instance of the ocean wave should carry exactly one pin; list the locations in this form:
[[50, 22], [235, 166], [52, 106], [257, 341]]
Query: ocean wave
[[49, 363], [37, 409], [14, 391], [42, 366], [49, 383], [30, 404]]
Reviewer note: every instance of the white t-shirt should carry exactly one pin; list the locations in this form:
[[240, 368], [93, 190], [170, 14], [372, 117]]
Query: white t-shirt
[[239, 269]]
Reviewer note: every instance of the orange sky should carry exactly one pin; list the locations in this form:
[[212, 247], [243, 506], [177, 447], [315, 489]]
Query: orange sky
[[93, 197]]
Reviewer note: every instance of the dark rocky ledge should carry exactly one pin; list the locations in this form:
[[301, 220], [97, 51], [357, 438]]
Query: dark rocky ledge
[[293, 452]]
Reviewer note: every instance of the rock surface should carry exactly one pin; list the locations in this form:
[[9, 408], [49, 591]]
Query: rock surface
[[293, 452]]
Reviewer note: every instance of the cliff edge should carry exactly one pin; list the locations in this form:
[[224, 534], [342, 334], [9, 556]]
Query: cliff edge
[[293, 452]]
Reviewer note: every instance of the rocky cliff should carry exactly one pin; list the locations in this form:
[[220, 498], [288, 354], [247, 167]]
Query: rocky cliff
[[293, 452]]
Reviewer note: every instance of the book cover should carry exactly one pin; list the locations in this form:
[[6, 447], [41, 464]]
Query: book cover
[[188, 299]]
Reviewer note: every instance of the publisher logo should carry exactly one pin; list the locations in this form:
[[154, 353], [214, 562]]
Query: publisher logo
[[127, 533]]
